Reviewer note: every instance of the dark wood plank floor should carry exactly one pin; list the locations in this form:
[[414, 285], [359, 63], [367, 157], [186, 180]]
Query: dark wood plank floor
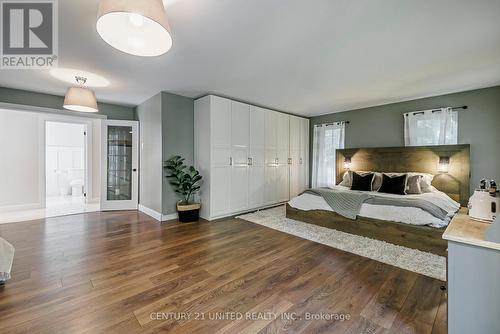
[[121, 272]]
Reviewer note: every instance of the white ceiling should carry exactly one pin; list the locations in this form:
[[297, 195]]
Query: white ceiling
[[307, 57]]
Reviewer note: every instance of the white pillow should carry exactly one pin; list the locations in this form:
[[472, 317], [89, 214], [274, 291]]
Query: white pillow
[[346, 180]]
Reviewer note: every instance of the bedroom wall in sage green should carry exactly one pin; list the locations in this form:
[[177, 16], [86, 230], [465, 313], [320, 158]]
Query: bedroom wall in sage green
[[177, 139], [478, 126], [167, 129], [17, 96]]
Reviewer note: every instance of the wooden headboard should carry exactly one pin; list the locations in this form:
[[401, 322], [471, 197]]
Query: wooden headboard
[[425, 159]]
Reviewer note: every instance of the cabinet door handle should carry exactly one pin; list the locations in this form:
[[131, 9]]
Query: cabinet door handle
[[230, 161], [289, 161], [250, 161], [300, 161], [276, 161]]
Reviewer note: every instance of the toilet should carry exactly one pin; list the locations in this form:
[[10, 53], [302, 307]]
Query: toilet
[[76, 188]]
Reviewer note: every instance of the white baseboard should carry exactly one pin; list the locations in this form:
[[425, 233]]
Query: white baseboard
[[237, 213], [156, 215], [94, 200], [21, 207], [172, 216], [150, 212]]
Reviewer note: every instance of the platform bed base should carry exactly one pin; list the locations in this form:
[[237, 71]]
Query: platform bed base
[[424, 238]]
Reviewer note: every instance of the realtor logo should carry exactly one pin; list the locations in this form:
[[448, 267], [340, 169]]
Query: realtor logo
[[29, 37]]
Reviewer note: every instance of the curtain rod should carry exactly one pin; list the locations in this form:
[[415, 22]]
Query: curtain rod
[[334, 123], [434, 110]]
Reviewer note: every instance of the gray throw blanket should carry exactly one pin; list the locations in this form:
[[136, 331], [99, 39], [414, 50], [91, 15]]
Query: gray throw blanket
[[427, 206], [348, 203], [345, 203]]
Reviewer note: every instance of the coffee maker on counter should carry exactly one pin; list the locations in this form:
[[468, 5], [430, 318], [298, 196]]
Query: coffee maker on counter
[[484, 204]]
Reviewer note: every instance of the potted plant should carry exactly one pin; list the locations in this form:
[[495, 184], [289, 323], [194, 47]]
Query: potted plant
[[186, 182]]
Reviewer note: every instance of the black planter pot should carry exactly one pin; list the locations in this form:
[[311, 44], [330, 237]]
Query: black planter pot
[[189, 213]]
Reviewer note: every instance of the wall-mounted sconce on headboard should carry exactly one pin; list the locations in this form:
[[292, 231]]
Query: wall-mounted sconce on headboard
[[444, 163], [347, 163]]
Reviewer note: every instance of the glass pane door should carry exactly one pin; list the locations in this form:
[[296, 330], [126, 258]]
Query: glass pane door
[[119, 161], [119, 172]]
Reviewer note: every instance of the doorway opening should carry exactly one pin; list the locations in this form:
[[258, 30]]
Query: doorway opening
[[65, 168]]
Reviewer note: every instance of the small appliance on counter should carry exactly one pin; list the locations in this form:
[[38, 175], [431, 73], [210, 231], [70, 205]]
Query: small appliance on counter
[[484, 204]]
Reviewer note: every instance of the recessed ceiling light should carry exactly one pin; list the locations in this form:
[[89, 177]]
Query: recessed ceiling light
[[136, 27], [80, 98], [69, 74]]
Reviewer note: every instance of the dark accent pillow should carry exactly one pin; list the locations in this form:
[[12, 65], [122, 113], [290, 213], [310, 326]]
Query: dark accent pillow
[[393, 185], [362, 182]]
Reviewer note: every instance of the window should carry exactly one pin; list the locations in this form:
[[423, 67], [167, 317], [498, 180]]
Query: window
[[327, 139], [431, 127]]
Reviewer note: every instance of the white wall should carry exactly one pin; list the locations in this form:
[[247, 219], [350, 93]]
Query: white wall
[[65, 157], [96, 161], [22, 180], [151, 165], [19, 160]]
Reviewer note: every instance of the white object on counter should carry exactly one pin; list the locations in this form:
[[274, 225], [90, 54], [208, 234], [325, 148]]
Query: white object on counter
[[483, 206]]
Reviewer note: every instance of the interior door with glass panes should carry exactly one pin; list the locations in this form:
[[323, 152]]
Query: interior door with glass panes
[[119, 165]]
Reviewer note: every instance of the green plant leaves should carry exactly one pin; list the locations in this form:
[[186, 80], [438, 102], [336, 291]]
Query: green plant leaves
[[184, 180]]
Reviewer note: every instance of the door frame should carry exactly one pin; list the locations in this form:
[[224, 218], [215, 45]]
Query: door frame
[[88, 177], [132, 204]]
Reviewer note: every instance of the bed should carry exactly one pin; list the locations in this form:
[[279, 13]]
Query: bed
[[409, 227]]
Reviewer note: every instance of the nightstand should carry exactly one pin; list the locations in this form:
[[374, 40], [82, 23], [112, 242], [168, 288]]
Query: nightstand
[[473, 277]]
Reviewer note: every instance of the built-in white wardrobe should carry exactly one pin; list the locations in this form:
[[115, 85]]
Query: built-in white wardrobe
[[250, 157]]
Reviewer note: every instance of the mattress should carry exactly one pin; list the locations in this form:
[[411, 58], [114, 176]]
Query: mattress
[[406, 215]]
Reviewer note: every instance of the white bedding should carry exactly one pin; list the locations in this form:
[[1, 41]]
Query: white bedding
[[407, 215]]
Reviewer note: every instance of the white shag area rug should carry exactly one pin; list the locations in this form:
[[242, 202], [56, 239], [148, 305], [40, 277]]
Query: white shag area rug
[[406, 258]]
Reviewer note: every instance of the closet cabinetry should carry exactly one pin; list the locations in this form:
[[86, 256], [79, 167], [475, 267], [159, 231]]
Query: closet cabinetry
[[299, 155], [250, 157]]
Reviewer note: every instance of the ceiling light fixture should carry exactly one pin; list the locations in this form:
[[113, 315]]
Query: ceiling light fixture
[[68, 75], [80, 98], [136, 27]]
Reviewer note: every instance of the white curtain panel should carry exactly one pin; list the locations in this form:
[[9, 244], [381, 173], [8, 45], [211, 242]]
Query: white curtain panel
[[431, 127], [327, 139]]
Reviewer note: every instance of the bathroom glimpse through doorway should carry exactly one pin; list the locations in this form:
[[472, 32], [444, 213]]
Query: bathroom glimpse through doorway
[[66, 175]]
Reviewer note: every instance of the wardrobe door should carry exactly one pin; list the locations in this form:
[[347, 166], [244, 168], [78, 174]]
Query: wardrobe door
[[270, 185], [271, 122], [220, 129], [239, 188], [283, 139], [256, 185], [271, 156], [282, 183], [304, 155], [220, 179], [283, 148], [256, 158], [240, 140], [295, 136]]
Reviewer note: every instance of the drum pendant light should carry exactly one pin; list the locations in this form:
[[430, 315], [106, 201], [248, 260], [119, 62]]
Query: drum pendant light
[[136, 27], [80, 98]]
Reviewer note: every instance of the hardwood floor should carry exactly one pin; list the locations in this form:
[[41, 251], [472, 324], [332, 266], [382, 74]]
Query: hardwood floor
[[121, 272]]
